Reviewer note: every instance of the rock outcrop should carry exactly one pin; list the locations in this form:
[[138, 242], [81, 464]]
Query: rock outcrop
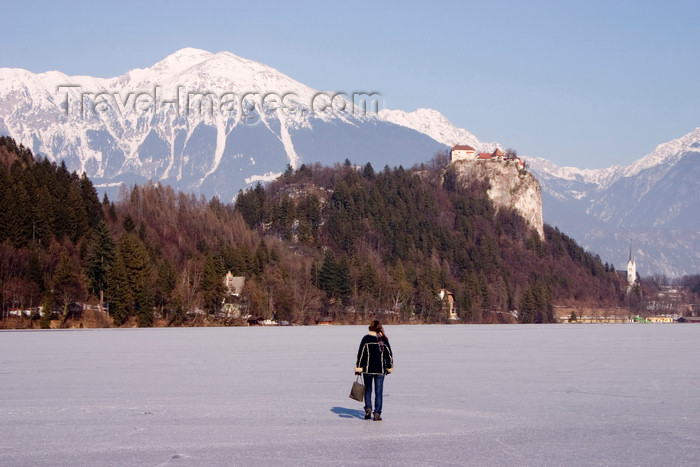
[[509, 187]]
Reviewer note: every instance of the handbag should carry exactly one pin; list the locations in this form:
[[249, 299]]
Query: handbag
[[357, 391]]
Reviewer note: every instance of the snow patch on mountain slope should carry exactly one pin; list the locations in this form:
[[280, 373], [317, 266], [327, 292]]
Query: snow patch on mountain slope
[[220, 146], [173, 64], [599, 177], [665, 154], [287, 140], [267, 177], [437, 126]]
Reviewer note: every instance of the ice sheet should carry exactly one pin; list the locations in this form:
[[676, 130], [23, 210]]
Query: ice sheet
[[460, 395]]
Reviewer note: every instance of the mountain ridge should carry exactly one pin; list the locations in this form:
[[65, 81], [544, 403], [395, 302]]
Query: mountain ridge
[[131, 128], [664, 153], [651, 203]]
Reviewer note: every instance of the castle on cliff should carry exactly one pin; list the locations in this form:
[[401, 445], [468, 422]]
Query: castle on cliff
[[462, 152]]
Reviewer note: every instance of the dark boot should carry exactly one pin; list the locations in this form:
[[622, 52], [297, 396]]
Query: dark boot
[[368, 414], [377, 417]]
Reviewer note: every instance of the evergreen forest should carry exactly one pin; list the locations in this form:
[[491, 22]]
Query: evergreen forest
[[345, 242]]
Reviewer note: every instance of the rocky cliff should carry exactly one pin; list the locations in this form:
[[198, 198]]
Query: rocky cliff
[[509, 187]]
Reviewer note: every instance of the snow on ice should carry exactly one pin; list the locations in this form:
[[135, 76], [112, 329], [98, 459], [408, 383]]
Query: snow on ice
[[459, 395]]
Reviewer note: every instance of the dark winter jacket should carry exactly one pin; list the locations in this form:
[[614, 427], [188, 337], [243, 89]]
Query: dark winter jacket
[[373, 357]]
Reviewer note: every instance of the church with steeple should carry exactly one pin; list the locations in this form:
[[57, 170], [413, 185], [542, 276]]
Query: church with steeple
[[631, 270]]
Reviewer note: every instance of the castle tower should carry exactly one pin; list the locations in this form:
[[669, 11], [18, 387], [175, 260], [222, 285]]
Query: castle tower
[[631, 269]]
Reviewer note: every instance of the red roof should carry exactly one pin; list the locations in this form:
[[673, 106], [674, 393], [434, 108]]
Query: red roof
[[497, 153], [459, 147], [483, 155]]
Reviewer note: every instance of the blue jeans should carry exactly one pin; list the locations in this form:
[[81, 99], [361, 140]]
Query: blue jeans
[[378, 391]]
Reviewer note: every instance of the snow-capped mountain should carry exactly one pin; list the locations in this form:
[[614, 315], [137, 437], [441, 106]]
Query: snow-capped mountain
[[209, 123], [432, 123], [652, 203], [214, 123]]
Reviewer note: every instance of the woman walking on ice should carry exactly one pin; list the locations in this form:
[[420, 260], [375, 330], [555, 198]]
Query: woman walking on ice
[[374, 361]]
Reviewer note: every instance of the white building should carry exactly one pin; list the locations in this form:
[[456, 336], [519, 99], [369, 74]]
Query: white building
[[234, 284], [631, 269], [233, 303], [462, 152]]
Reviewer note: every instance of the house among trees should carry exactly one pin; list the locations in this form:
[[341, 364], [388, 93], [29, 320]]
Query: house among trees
[[660, 319], [161, 258], [448, 301], [233, 299], [234, 284]]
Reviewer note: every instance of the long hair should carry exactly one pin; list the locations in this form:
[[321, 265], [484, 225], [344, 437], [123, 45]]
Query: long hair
[[376, 326]]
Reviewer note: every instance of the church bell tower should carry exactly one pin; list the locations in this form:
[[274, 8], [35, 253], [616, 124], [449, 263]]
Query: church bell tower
[[631, 269]]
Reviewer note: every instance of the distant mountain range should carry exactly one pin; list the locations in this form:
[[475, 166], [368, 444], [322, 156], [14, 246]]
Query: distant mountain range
[[208, 123], [653, 203], [215, 123]]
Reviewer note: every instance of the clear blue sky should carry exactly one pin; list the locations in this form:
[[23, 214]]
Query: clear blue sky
[[585, 83]]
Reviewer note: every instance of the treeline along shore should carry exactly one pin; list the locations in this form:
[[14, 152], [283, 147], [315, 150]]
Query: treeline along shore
[[334, 244]]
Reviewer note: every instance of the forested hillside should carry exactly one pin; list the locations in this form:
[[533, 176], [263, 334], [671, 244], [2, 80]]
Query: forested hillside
[[345, 242]]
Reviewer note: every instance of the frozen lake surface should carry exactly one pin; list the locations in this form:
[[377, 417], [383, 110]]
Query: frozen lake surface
[[460, 395]]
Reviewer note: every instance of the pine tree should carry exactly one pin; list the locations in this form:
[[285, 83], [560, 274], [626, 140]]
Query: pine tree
[[283, 217], [47, 311], [129, 283], [401, 289], [343, 227], [368, 282], [308, 212], [542, 296], [19, 218], [262, 258], [212, 286], [526, 312], [484, 289], [344, 280], [251, 205], [165, 284], [118, 291], [44, 216], [77, 218], [91, 202], [314, 274], [100, 259], [67, 285], [475, 300], [140, 269], [5, 202], [328, 275], [35, 273], [427, 303], [129, 225]]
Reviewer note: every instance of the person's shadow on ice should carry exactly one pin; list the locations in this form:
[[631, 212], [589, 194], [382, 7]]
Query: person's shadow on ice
[[344, 412]]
